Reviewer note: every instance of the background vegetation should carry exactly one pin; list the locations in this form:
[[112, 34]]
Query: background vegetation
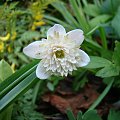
[[25, 97]]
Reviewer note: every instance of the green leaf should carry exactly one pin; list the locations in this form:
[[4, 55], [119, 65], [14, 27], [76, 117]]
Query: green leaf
[[36, 91], [70, 115], [93, 43], [5, 70], [97, 62], [115, 22], [60, 6], [56, 20], [105, 53], [110, 6], [79, 116], [103, 37], [99, 19], [6, 114], [22, 57], [18, 90], [116, 54], [30, 35], [114, 115], [91, 115], [92, 10], [17, 77], [50, 86], [108, 71], [79, 14]]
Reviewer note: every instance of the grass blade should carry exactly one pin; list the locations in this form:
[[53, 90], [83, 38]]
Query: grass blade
[[21, 88], [16, 78]]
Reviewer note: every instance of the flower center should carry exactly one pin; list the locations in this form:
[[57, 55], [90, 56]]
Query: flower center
[[59, 54]]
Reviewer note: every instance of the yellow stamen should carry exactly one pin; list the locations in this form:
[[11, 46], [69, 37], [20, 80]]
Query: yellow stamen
[[59, 54]]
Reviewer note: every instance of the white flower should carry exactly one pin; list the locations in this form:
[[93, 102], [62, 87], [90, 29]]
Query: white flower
[[59, 53]]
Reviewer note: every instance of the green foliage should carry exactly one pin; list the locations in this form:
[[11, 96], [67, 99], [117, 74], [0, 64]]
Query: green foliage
[[50, 86], [25, 109], [90, 18], [104, 12], [115, 22], [93, 115], [5, 72], [80, 79], [99, 20], [20, 24], [7, 113], [116, 55], [114, 115], [29, 36], [92, 10], [19, 89], [78, 13], [97, 62], [70, 115], [108, 71], [17, 84], [90, 115], [110, 6], [109, 68]]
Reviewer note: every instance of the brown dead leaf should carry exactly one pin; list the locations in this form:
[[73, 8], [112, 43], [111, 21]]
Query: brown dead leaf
[[74, 101]]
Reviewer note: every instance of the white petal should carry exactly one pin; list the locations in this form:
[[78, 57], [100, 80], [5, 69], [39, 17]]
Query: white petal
[[41, 72], [84, 59], [76, 36], [56, 29], [33, 49]]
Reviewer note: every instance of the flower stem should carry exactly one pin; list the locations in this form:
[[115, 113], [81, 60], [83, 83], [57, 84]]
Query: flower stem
[[35, 91], [102, 95]]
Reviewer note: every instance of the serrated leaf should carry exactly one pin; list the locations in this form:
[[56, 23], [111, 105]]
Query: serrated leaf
[[114, 115], [91, 115], [5, 70], [115, 22], [97, 62], [108, 71]]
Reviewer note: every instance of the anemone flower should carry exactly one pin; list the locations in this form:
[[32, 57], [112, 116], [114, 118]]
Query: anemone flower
[[60, 53]]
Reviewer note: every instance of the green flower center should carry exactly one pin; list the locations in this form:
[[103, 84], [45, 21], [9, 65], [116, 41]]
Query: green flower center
[[59, 54]]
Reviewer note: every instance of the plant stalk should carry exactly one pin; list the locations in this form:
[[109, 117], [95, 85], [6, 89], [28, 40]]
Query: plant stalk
[[102, 95]]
